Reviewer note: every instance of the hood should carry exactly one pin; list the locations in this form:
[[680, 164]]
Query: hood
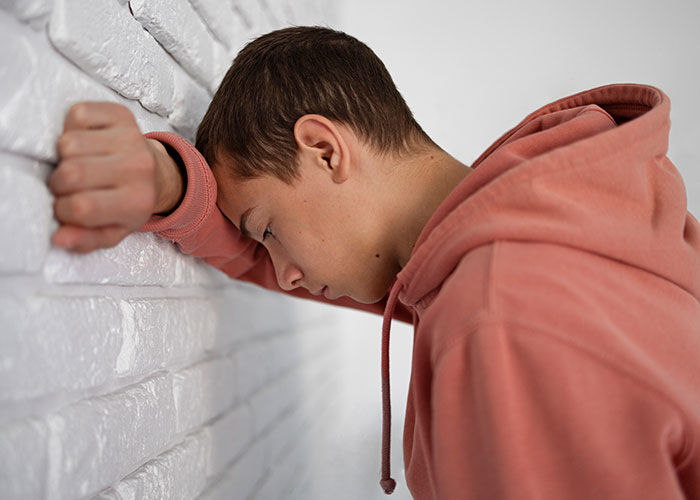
[[600, 183], [612, 192]]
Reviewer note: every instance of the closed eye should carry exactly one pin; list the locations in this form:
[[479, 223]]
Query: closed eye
[[267, 232]]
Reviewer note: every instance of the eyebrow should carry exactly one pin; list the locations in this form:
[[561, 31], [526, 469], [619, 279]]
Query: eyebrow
[[244, 219]]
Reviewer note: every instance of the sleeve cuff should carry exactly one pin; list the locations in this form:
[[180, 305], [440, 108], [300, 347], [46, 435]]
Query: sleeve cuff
[[200, 193]]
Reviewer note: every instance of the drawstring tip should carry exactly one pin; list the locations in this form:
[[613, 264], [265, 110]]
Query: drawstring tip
[[388, 485]]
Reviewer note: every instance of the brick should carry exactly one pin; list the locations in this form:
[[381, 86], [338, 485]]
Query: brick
[[141, 259], [272, 400], [97, 441], [25, 208], [177, 474], [42, 88], [23, 464], [28, 10], [95, 35], [202, 392], [230, 435], [75, 341], [222, 63], [26, 165], [178, 28], [222, 20], [284, 350], [284, 435], [255, 17], [162, 333], [283, 477], [284, 12], [190, 102], [257, 312], [241, 479], [252, 366]]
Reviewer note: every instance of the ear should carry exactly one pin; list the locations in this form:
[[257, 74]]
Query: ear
[[321, 140]]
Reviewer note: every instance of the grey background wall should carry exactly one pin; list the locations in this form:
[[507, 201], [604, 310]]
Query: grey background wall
[[472, 70]]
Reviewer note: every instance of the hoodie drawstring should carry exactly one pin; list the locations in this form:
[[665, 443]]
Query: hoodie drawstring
[[386, 482]]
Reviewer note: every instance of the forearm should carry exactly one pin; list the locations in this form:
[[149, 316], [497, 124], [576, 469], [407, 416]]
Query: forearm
[[171, 177]]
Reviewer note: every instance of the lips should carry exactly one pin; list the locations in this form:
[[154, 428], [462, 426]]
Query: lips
[[326, 292]]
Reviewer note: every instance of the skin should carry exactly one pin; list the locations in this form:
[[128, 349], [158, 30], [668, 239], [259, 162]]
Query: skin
[[347, 226], [109, 179]]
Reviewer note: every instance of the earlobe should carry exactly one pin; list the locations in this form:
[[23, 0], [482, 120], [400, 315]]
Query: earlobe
[[322, 140]]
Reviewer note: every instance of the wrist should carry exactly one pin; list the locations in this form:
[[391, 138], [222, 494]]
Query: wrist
[[170, 178]]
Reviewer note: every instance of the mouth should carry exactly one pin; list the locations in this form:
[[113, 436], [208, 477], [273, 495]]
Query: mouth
[[325, 291]]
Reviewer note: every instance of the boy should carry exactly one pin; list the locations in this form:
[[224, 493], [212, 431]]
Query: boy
[[554, 285]]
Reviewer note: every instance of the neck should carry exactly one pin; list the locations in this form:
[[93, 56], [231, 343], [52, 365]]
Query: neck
[[427, 178]]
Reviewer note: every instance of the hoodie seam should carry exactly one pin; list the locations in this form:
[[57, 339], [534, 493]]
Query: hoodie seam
[[491, 278], [688, 438]]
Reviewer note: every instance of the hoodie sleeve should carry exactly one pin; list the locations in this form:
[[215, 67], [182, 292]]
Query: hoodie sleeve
[[520, 414], [199, 228]]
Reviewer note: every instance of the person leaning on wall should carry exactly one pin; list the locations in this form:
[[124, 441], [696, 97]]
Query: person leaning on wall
[[553, 284]]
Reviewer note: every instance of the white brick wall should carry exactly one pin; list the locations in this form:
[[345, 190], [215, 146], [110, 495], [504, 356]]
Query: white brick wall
[[137, 372]]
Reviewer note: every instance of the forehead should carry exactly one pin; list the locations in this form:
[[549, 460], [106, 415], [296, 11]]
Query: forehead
[[235, 196]]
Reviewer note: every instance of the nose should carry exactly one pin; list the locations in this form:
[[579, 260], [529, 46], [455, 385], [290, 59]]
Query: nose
[[288, 274]]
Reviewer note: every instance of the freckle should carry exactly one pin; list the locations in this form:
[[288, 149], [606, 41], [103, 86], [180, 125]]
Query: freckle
[[376, 255]]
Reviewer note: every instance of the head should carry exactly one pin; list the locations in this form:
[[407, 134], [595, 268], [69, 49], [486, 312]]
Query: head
[[301, 136]]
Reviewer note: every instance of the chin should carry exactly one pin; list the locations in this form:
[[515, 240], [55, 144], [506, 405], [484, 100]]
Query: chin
[[376, 292], [367, 301], [370, 298]]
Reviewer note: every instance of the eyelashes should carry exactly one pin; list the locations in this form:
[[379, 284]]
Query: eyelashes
[[267, 232]]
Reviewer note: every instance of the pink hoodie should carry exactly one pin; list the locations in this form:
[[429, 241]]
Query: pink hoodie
[[555, 295]]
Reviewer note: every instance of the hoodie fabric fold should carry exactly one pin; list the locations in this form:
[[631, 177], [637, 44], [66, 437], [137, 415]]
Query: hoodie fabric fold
[[555, 295]]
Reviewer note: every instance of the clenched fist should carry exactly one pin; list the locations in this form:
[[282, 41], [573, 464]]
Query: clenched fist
[[109, 179]]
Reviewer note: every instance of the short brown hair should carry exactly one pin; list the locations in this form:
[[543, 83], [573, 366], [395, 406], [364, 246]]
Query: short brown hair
[[285, 74]]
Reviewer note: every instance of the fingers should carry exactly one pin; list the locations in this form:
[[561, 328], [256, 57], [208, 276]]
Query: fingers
[[104, 182], [74, 143], [96, 115], [83, 240], [84, 173], [104, 207]]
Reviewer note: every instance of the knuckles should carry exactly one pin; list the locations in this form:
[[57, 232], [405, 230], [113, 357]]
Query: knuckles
[[79, 208], [73, 209], [68, 176], [79, 113], [67, 145], [118, 160]]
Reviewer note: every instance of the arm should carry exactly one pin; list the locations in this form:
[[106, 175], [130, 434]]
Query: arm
[[110, 181], [519, 414]]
